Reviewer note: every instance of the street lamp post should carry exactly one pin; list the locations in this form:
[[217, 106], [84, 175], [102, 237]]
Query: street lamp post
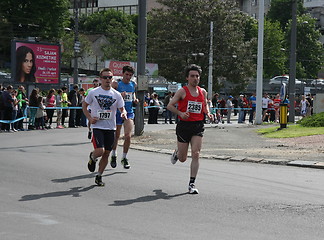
[[76, 42], [292, 71]]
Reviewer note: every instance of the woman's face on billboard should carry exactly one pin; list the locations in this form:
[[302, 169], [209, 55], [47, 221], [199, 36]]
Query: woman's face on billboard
[[28, 63]]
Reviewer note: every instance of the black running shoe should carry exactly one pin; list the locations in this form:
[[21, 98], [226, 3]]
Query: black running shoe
[[99, 181], [89, 135], [113, 161], [92, 163], [125, 163]]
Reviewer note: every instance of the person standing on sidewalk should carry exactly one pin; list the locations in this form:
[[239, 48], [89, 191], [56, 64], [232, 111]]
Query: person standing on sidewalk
[[192, 107], [104, 102], [168, 113], [229, 106], [65, 105], [127, 89]]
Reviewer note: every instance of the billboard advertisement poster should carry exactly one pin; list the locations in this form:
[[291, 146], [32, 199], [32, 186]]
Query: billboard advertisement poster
[[35, 62], [151, 69]]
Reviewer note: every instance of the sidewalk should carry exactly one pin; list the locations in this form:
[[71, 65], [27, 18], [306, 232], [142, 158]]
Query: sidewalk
[[235, 142]]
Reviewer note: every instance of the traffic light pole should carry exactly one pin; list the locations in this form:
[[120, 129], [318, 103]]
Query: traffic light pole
[[292, 71], [76, 46], [141, 62]]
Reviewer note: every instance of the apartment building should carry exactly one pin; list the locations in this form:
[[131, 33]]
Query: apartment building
[[127, 6]]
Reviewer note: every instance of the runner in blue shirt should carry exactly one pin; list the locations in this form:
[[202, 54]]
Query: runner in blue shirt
[[127, 89]]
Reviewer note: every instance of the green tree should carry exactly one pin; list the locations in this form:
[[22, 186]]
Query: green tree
[[119, 30], [280, 11], [275, 57], [67, 43], [182, 28], [309, 50], [35, 18]]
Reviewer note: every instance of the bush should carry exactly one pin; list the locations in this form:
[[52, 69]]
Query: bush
[[316, 120]]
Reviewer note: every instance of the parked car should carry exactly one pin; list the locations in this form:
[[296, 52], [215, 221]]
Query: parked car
[[161, 108], [283, 79], [319, 81]]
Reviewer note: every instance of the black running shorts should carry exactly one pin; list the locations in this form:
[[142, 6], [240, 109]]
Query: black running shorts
[[185, 130], [103, 138]]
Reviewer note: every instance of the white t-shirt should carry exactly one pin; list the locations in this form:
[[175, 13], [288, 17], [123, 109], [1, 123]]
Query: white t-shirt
[[265, 102], [104, 105]]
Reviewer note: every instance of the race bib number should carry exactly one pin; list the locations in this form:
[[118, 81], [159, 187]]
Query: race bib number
[[104, 114], [194, 107], [128, 97]]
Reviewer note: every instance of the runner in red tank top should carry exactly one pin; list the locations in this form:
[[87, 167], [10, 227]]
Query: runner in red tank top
[[192, 107]]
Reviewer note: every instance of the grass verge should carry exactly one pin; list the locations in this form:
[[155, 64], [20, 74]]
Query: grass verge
[[291, 131]]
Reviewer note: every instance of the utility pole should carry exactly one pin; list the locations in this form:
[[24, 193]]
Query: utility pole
[[292, 63], [76, 42], [141, 62], [210, 66], [258, 112]]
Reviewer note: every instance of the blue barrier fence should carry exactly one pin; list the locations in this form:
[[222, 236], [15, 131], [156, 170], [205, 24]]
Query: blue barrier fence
[[55, 108]]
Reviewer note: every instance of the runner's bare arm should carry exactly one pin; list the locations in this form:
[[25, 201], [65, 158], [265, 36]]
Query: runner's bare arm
[[87, 114], [180, 94]]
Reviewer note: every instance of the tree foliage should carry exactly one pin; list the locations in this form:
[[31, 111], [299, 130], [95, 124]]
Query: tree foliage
[[182, 28], [275, 57], [31, 18], [309, 50], [280, 11], [119, 30]]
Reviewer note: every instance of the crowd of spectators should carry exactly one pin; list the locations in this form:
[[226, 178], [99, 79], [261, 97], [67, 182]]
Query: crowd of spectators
[[38, 109], [244, 105]]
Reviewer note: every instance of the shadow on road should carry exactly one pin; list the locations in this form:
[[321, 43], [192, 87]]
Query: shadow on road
[[91, 175], [159, 194], [74, 192]]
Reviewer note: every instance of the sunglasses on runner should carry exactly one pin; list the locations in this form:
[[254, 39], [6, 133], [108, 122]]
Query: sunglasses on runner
[[107, 77]]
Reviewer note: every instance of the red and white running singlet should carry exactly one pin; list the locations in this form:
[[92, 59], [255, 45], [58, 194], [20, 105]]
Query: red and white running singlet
[[194, 105]]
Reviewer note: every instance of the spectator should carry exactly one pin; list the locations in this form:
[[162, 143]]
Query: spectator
[[309, 98], [265, 103], [242, 105], [235, 105], [59, 109], [33, 104], [1, 106], [73, 99], [252, 102], [222, 107], [14, 110], [8, 107], [50, 102], [22, 106], [80, 119], [153, 109], [229, 106], [304, 105], [65, 104], [276, 103], [168, 113], [40, 114], [271, 110]]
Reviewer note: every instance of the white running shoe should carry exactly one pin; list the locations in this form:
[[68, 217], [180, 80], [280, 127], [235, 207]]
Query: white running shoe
[[174, 157], [192, 189]]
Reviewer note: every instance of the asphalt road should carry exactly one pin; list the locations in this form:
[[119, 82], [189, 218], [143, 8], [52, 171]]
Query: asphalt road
[[48, 193]]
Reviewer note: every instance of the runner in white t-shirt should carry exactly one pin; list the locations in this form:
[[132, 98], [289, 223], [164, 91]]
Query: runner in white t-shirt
[[104, 102]]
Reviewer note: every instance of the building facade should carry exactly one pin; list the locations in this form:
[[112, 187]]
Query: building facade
[[128, 6]]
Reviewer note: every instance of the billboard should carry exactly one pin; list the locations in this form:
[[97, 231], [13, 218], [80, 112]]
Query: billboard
[[151, 69], [35, 62]]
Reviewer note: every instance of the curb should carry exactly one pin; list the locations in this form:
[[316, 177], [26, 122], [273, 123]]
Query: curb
[[295, 163]]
